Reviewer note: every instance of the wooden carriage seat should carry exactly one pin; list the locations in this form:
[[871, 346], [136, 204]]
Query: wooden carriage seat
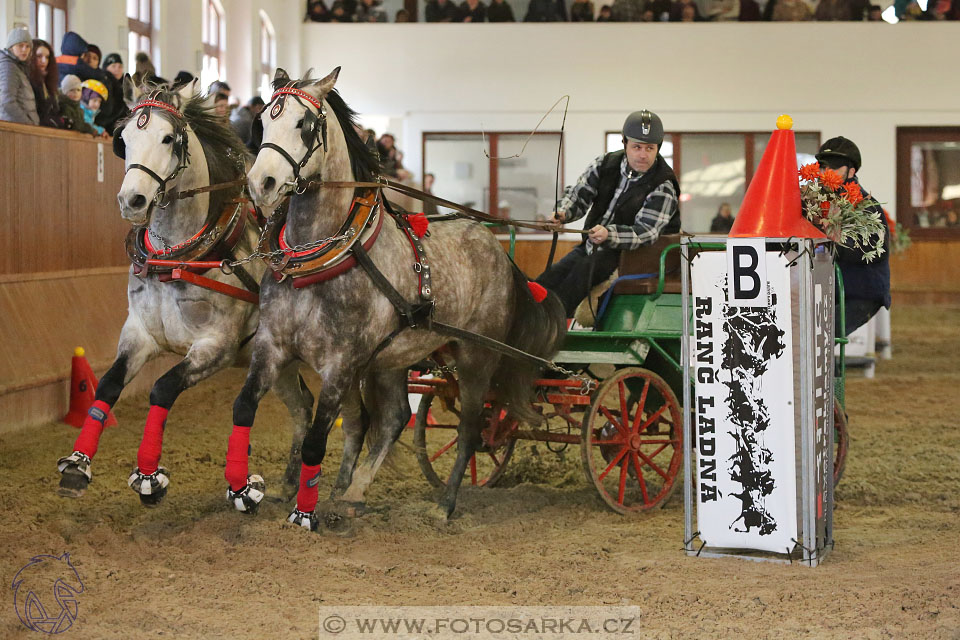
[[647, 260]]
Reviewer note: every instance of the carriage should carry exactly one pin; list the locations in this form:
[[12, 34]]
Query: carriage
[[621, 406]]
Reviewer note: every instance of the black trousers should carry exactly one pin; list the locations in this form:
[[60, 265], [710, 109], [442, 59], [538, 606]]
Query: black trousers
[[572, 277]]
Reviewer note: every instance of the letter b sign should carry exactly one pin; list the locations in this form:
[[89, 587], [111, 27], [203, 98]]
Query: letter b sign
[[746, 272]]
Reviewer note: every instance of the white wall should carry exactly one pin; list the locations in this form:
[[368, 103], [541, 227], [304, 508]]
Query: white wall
[[698, 77]]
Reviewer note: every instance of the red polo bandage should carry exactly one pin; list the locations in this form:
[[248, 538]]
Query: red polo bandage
[[238, 457], [89, 438], [148, 456], [537, 291], [308, 494]]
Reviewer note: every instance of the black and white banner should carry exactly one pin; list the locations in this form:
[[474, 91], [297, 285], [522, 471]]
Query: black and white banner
[[744, 400]]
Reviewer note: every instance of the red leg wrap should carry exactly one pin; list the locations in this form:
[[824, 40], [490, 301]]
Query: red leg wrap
[[89, 438], [238, 455], [148, 457], [308, 494]]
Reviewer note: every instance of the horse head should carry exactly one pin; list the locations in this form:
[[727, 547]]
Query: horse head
[[293, 132], [154, 144]]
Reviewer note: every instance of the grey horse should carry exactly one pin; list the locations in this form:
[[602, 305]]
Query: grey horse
[[173, 141], [340, 327]]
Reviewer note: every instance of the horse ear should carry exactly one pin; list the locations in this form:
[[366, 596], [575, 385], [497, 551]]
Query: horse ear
[[188, 90], [131, 94], [281, 75], [323, 86]]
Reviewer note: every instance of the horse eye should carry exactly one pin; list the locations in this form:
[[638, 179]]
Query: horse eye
[[300, 123], [167, 139]]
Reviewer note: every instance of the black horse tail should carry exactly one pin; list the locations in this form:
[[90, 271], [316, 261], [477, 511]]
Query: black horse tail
[[538, 328]]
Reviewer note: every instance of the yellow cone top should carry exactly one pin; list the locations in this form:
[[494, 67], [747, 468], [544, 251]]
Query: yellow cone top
[[784, 122], [79, 352]]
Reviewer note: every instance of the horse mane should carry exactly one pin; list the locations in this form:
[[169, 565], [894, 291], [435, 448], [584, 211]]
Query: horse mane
[[364, 161]]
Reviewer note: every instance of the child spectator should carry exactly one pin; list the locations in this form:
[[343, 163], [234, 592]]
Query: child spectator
[[473, 11], [401, 16], [370, 11], [581, 11], [875, 13], [17, 101], [627, 11], [91, 97], [317, 11], [71, 59], [500, 11], [70, 110], [441, 11], [606, 14], [144, 71], [92, 56], [114, 108], [221, 105], [44, 78], [678, 7]]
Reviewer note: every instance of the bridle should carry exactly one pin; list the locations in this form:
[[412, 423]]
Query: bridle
[[313, 133], [180, 150]]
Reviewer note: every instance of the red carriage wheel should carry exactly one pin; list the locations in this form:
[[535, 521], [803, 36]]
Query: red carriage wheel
[[435, 442], [841, 442], [632, 442]]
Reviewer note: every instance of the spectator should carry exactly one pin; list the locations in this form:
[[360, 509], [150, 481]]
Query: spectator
[[606, 14], [92, 56], [343, 10], [221, 105], [723, 221], [836, 10], [114, 108], [70, 110], [473, 11], [787, 11], [429, 207], [543, 11], [581, 11], [42, 69], [749, 11], [71, 59], [721, 10], [627, 10], [943, 10], [218, 86], [500, 11], [402, 15], [242, 119], [92, 95], [317, 11], [647, 15], [17, 101], [441, 11], [391, 158], [688, 13], [370, 11], [874, 13], [144, 71], [661, 9], [678, 8]]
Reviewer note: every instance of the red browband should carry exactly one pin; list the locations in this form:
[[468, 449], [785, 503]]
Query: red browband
[[300, 94], [159, 105]]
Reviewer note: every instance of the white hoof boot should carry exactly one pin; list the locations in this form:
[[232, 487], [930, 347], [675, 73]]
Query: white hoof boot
[[150, 487], [303, 519], [247, 499]]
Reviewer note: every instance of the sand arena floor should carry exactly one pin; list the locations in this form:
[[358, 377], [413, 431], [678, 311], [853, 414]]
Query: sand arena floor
[[195, 569]]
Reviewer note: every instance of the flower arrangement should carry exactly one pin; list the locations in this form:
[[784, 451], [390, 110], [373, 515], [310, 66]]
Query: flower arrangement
[[840, 211]]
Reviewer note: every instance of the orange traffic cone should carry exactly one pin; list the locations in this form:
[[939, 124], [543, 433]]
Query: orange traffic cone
[[83, 384], [771, 206]]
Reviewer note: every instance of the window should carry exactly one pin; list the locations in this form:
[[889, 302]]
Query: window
[[716, 168], [522, 187], [213, 37], [140, 24], [48, 20], [928, 181], [268, 55]]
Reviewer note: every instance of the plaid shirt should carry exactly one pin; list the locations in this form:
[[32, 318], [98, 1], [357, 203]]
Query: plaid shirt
[[650, 220]]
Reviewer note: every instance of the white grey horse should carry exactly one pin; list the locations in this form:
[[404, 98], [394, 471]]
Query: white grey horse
[[347, 330], [173, 142]]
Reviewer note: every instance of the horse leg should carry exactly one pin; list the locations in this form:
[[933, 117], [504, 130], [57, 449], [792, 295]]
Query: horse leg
[[296, 396], [246, 491], [135, 350], [356, 421], [335, 385], [149, 480], [387, 391]]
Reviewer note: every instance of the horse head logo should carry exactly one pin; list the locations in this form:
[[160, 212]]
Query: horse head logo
[[45, 593]]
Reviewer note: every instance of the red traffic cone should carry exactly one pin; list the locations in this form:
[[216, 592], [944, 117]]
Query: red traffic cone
[[771, 207], [83, 384]]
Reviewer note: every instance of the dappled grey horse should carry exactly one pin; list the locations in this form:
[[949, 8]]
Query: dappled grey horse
[[347, 329], [173, 142]]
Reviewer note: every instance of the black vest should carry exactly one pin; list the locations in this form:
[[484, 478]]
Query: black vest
[[632, 199]]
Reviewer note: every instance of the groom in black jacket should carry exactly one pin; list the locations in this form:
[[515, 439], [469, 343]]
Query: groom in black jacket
[[630, 198]]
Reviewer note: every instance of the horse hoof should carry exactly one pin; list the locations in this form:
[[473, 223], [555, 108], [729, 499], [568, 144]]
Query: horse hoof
[[74, 475], [354, 509], [247, 500], [151, 487], [303, 519]]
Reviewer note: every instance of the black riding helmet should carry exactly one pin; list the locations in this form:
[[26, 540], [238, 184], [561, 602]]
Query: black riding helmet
[[643, 126], [837, 152]]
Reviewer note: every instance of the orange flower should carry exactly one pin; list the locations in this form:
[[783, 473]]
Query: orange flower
[[852, 193], [831, 179], [810, 171], [824, 209]]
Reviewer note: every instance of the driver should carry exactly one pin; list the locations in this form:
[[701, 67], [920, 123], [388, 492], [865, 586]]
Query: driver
[[630, 197]]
